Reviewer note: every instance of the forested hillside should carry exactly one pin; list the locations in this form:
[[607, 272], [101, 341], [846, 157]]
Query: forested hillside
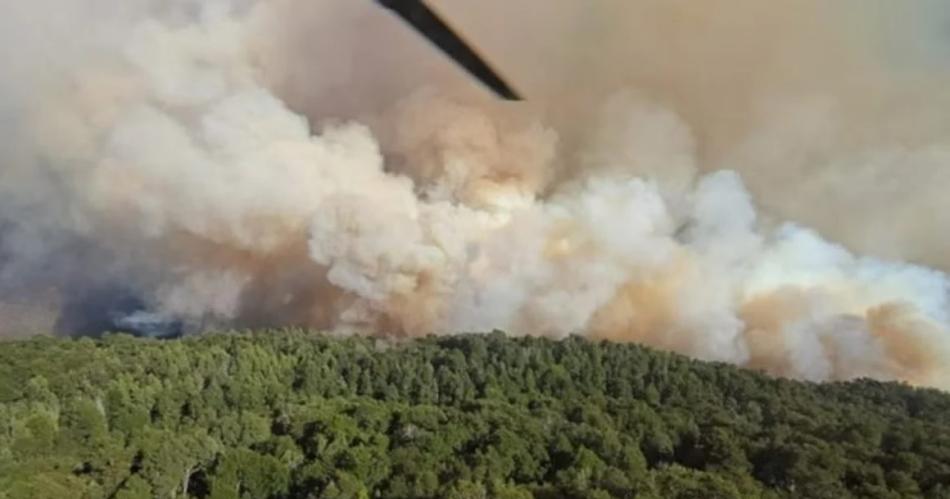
[[293, 414]]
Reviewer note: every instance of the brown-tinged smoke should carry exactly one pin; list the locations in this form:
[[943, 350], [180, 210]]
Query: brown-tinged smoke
[[289, 162]]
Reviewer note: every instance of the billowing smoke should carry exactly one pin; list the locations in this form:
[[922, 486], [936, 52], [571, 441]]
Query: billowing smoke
[[676, 178]]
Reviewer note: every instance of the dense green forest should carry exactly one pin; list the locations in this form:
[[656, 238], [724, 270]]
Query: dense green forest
[[293, 414]]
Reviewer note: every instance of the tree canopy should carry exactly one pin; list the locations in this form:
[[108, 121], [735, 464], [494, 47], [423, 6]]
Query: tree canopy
[[294, 414]]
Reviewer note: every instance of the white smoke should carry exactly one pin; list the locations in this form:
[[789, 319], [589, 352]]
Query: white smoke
[[176, 155]]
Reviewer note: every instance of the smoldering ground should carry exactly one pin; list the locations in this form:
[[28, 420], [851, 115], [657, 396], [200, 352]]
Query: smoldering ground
[[760, 183]]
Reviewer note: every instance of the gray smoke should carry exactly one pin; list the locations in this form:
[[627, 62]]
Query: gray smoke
[[676, 178]]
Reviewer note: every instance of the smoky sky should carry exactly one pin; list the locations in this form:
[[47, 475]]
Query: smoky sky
[[758, 183]]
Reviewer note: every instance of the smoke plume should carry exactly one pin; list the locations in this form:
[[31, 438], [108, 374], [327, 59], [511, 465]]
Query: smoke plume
[[760, 183]]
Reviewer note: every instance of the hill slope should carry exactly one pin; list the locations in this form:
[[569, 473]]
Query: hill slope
[[294, 414]]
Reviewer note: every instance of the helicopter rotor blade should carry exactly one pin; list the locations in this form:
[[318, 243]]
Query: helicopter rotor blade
[[417, 14]]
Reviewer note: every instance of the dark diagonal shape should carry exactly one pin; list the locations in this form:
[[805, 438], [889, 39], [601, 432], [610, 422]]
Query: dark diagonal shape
[[429, 24]]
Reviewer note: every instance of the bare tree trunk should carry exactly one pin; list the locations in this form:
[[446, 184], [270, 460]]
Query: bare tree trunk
[[184, 482]]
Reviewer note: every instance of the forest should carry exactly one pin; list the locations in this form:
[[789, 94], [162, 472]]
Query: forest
[[297, 414]]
